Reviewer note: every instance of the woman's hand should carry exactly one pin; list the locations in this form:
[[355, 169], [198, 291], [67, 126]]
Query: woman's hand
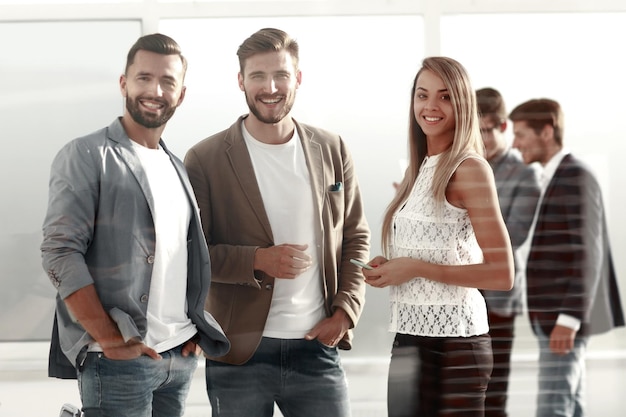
[[391, 272]]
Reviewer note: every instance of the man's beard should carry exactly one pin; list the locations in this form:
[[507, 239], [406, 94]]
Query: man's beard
[[289, 100], [148, 120]]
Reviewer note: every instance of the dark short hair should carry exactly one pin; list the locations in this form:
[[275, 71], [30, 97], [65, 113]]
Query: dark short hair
[[538, 113], [491, 104], [267, 40], [157, 43]]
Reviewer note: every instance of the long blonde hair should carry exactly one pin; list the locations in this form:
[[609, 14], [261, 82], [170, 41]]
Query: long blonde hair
[[467, 139]]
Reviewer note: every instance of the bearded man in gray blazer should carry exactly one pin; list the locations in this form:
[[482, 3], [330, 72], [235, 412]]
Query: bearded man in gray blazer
[[283, 216], [571, 284], [124, 248]]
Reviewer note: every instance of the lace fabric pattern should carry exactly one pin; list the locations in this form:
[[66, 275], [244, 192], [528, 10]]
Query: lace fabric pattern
[[439, 235]]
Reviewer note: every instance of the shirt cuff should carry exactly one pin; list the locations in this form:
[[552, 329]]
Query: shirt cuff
[[568, 321]]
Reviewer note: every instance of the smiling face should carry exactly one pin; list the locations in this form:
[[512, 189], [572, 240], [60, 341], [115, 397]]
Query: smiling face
[[269, 81], [532, 145], [153, 87], [433, 109]]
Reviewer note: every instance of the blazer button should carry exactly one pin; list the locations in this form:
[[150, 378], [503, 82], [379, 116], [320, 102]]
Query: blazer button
[[150, 259], [144, 298], [269, 287]]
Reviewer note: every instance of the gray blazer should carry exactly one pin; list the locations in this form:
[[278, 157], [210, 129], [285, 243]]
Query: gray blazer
[[518, 194], [99, 230]]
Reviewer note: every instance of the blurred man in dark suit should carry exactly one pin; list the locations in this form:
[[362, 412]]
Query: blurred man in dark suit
[[572, 288]]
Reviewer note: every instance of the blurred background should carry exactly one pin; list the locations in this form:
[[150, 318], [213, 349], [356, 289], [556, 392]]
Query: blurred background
[[61, 61]]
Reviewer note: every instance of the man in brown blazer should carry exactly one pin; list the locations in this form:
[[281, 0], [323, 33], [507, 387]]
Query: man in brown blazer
[[283, 216], [571, 284]]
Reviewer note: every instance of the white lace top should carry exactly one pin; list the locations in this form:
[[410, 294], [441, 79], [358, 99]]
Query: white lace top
[[421, 306]]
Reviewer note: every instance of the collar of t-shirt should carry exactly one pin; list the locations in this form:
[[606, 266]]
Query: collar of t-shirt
[[550, 168]]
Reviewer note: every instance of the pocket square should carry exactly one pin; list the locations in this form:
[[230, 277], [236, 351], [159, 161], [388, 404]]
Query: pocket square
[[336, 186]]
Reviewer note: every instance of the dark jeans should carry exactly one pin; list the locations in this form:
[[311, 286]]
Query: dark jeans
[[501, 330], [304, 378], [438, 376]]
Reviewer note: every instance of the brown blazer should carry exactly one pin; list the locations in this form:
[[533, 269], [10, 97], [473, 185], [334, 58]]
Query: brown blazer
[[570, 269], [235, 225]]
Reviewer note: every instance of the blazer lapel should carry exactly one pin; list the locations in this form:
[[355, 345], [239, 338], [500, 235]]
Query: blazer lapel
[[241, 164], [315, 161], [124, 149], [547, 195]]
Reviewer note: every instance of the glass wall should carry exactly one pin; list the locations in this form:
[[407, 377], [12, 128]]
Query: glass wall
[[58, 80]]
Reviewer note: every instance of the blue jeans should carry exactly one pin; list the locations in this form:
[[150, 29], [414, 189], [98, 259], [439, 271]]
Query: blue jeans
[[141, 387], [304, 378], [561, 379]]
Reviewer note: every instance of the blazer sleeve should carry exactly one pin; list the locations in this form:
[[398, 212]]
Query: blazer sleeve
[[523, 203], [581, 201], [593, 236], [355, 244], [69, 223]]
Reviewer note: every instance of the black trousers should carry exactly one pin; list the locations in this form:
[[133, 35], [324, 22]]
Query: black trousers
[[438, 376], [501, 330]]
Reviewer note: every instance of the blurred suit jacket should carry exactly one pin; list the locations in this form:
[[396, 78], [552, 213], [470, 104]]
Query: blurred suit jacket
[[570, 268]]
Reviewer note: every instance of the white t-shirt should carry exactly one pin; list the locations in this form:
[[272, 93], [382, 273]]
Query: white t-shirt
[[283, 178], [168, 323]]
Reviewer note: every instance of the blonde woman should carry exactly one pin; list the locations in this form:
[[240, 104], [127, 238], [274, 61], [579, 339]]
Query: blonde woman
[[443, 239]]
